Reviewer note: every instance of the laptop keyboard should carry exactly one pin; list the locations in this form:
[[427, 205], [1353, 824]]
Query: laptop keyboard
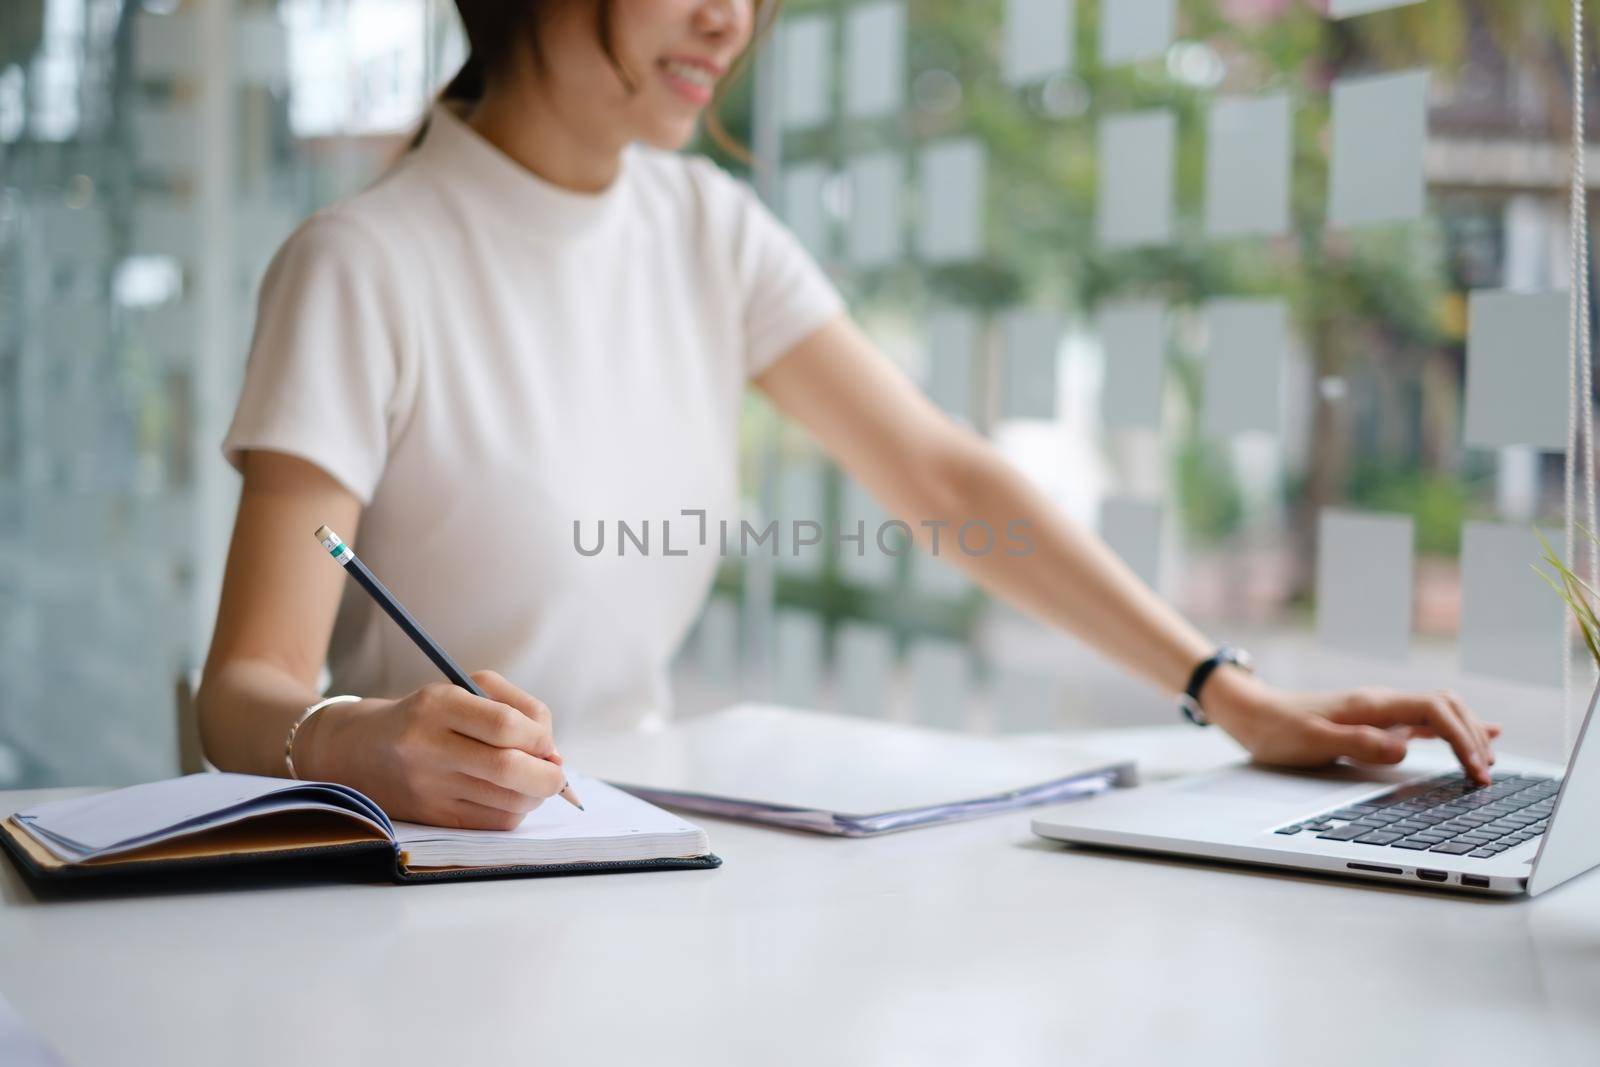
[[1448, 814]]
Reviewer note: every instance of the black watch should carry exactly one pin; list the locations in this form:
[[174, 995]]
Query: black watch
[[1189, 702]]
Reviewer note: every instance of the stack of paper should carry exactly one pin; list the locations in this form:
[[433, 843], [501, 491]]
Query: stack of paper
[[141, 816], [841, 775]]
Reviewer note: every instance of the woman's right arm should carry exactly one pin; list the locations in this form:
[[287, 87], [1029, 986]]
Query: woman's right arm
[[439, 755]]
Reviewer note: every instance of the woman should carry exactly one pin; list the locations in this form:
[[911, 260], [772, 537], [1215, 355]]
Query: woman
[[542, 316]]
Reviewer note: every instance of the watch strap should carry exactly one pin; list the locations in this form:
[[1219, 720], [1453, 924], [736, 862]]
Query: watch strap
[[1189, 702]]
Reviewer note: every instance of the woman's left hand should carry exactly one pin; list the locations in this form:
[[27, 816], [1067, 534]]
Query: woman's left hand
[[1368, 725]]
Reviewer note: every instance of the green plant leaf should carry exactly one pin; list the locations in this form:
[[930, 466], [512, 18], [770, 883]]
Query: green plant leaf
[[1577, 593]]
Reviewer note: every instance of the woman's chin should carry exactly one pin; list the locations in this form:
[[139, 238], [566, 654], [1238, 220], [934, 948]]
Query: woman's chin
[[670, 133]]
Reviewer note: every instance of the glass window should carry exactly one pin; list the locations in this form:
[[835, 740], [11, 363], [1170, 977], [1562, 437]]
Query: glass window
[[1238, 283]]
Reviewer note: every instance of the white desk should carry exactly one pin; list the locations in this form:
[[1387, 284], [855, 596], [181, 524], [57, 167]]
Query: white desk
[[969, 944]]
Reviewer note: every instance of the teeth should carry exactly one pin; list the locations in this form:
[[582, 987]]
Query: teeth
[[690, 73]]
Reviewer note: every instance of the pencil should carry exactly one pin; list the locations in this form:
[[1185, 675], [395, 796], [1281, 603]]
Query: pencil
[[353, 566]]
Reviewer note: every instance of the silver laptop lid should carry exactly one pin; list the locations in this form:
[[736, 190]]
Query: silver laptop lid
[[1572, 843]]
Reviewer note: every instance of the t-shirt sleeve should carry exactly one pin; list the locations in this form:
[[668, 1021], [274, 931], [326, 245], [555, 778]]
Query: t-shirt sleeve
[[785, 293], [324, 362]]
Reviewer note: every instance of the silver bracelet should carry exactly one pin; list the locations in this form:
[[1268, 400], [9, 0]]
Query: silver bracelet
[[288, 742]]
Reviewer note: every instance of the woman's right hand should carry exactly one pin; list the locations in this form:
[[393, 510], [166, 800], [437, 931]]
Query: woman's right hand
[[441, 755]]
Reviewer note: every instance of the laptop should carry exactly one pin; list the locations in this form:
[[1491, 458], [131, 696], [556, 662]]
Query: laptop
[[1423, 824]]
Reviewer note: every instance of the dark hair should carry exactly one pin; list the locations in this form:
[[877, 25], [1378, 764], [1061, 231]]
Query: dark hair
[[495, 28]]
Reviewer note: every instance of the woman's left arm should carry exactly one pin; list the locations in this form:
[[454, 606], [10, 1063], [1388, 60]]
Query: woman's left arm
[[936, 475]]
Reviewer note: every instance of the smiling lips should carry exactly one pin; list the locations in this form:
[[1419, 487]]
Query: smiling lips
[[692, 79]]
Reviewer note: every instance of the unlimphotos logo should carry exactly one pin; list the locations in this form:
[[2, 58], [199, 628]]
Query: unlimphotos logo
[[646, 537]]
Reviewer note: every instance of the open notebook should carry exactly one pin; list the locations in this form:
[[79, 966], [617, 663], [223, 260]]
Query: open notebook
[[214, 819], [838, 774]]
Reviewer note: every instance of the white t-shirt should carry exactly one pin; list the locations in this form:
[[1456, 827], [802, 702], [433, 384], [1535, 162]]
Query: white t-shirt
[[483, 359]]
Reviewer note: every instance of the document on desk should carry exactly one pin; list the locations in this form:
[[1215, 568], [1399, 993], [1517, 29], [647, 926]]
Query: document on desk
[[838, 774]]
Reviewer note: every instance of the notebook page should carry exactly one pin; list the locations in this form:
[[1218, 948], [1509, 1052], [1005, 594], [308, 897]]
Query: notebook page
[[612, 826], [122, 819]]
